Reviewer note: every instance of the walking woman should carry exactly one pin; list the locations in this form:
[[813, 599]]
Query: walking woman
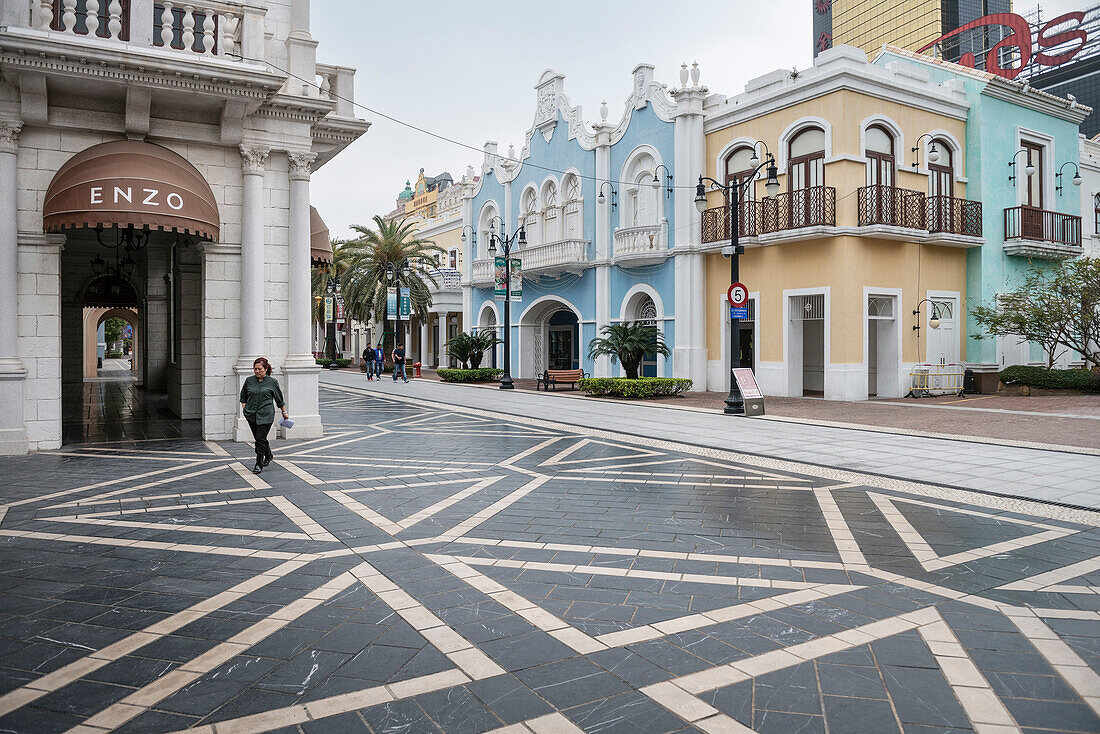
[[257, 395]]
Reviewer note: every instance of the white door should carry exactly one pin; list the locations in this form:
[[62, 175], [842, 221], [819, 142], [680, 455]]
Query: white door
[[943, 342]]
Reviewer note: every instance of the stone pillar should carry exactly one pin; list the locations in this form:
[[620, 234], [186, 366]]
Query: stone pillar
[[13, 430], [300, 368], [40, 338], [424, 341], [253, 162], [443, 319], [604, 248], [219, 341]]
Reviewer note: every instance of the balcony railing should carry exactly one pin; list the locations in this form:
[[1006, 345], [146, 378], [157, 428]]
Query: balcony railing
[[446, 279], [716, 221], [548, 258], [1029, 223], [889, 205], [954, 216], [810, 207], [647, 239], [206, 27]]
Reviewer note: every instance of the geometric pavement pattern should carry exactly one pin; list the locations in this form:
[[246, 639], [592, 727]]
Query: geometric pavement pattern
[[427, 568]]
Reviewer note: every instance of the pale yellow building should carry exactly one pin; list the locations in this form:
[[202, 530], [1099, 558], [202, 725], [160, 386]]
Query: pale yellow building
[[858, 236]]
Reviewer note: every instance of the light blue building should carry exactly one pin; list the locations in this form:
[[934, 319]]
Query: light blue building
[[1022, 156], [610, 226]]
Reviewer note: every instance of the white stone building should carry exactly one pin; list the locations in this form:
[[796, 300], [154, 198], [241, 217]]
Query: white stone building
[[157, 157]]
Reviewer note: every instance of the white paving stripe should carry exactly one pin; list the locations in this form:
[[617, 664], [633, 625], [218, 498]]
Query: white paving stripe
[[1049, 580], [108, 483], [845, 542], [73, 671], [187, 673], [156, 545], [1063, 658]]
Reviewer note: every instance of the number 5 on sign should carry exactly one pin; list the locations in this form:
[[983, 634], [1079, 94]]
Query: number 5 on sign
[[737, 295]]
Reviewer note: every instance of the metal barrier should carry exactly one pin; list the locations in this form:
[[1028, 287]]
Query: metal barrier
[[927, 380]]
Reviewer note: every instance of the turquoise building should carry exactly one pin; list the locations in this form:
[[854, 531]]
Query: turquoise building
[[1022, 158]]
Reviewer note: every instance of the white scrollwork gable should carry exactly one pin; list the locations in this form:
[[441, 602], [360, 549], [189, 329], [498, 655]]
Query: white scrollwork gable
[[548, 91]]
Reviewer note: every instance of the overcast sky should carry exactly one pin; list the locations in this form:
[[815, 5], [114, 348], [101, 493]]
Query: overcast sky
[[468, 69]]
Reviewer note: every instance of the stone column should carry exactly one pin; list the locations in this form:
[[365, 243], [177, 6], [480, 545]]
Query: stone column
[[424, 341], [300, 368], [604, 248], [253, 162], [13, 430]]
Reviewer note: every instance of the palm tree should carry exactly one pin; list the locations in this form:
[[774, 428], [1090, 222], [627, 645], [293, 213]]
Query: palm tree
[[321, 274], [628, 343], [368, 259], [481, 342], [460, 347]]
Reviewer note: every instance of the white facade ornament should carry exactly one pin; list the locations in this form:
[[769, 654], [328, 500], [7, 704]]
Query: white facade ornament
[[548, 90], [694, 73], [683, 74], [300, 165], [9, 137], [253, 159], [603, 111]]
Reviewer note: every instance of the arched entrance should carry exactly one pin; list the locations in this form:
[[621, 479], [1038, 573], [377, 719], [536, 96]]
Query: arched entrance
[[133, 215], [549, 337], [487, 321]]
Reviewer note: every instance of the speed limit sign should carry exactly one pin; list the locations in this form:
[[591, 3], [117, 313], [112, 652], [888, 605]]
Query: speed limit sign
[[737, 295]]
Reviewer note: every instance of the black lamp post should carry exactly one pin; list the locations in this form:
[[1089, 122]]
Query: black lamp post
[[330, 337], [395, 273], [506, 242], [735, 403]]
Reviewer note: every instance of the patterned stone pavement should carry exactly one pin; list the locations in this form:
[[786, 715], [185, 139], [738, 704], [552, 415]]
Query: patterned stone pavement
[[425, 569]]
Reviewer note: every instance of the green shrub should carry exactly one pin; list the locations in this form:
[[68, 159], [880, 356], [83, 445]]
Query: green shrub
[[114, 355], [483, 374], [1045, 379], [326, 363], [642, 387]]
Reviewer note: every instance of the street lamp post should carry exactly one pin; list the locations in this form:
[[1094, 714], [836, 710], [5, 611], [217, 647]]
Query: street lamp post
[[394, 273], [734, 190], [506, 242], [331, 289]]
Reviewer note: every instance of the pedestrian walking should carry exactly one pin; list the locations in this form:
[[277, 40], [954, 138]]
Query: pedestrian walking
[[399, 362], [260, 390], [368, 360], [379, 359]]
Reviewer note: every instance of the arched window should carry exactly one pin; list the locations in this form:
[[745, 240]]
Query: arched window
[[739, 168], [574, 216], [529, 216], [642, 206], [879, 149], [647, 311], [806, 159], [551, 218], [942, 180], [487, 215]]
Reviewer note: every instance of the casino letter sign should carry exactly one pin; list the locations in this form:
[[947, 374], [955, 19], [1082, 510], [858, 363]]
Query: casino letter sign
[[1020, 38]]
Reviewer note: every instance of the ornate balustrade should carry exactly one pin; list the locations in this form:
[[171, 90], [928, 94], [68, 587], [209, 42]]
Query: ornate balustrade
[[646, 244], [889, 205], [446, 279], [206, 27], [546, 259]]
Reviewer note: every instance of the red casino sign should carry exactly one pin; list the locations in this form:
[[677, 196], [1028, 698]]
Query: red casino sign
[[1029, 42]]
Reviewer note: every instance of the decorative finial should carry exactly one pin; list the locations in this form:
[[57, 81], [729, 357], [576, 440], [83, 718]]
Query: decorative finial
[[603, 111], [695, 73], [512, 151], [683, 74]]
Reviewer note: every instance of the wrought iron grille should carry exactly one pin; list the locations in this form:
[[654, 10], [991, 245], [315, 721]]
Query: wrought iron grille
[[716, 222], [879, 204], [1029, 223], [808, 308], [802, 208], [880, 307], [955, 216]]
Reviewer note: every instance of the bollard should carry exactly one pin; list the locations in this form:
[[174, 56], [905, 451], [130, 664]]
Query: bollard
[[416, 366]]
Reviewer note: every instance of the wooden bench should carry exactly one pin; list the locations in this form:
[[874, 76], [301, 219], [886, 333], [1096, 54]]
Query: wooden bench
[[559, 377]]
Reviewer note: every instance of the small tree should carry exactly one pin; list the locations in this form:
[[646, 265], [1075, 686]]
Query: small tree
[[480, 343], [1054, 308], [461, 346], [628, 343]]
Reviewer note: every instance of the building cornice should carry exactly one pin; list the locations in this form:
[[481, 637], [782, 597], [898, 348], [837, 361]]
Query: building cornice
[[859, 78], [25, 49]]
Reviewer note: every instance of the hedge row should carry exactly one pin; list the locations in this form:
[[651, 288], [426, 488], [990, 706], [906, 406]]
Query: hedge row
[[643, 387], [326, 363], [1043, 378], [483, 374]]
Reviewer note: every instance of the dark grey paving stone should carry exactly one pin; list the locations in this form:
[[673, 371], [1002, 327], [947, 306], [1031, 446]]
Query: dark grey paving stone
[[508, 698], [850, 680], [859, 715], [793, 690], [571, 682], [377, 663], [458, 711], [624, 714], [349, 723], [1065, 716], [131, 671], [400, 716], [31, 720], [202, 696], [526, 650], [777, 722], [922, 696], [82, 698], [156, 722]]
